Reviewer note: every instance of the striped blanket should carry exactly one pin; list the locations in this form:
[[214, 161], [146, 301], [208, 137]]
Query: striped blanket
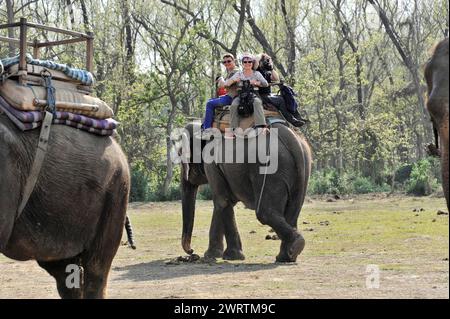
[[83, 76], [29, 120]]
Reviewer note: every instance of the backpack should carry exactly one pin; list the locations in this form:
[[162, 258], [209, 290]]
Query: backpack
[[289, 97], [246, 99]]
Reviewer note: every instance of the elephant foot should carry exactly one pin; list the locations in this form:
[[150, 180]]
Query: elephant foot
[[213, 253], [233, 254], [289, 252]]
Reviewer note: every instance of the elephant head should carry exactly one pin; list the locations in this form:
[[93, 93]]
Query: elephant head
[[192, 176], [436, 76]]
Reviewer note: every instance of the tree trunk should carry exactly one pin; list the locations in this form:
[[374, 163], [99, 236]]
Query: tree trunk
[[290, 39], [169, 128], [407, 60], [11, 33], [85, 16]]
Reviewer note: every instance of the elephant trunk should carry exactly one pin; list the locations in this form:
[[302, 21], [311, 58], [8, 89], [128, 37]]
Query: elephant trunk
[[188, 196]]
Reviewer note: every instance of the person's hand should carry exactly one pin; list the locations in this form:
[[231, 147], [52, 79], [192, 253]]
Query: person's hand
[[254, 82], [237, 80]]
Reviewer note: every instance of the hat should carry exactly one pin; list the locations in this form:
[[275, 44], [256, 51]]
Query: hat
[[248, 56]]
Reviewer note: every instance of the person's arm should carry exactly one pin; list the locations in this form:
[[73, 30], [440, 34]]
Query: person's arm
[[275, 77], [260, 80], [220, 82], [234, 79]]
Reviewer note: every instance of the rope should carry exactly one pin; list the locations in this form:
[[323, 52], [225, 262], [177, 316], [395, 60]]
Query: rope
[[264, 180]]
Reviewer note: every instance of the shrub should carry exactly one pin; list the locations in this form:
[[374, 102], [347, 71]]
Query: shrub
[[205, 192], [140, 185], [363, 185], [173, 193], [328, 182], [422, 181], [403, 173]]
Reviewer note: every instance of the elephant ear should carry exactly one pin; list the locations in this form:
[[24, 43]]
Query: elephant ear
[[180, 149]]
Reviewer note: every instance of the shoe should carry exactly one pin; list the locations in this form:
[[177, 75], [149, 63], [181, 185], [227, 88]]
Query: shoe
[[207, 134], [229, 135], [258, 131], [198, 134], [297, 123]]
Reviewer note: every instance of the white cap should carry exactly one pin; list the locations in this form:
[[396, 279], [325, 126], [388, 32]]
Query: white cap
[[248, 56]]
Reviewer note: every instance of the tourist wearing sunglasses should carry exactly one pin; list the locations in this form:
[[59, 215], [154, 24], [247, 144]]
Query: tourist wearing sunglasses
[[230, 65], [256, 80]]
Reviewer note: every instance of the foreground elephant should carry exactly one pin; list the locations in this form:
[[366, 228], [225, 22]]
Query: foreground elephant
[[74, 219], [279, 204], [436, 76]]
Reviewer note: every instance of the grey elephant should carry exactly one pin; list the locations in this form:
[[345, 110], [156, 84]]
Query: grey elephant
[[277, 204], [436, 76], [73, 222]]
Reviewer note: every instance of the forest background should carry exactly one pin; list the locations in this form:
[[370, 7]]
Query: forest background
[[357, 66]]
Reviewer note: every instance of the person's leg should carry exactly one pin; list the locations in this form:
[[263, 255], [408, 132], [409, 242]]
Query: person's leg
[[234, 116], [258, 113], [210, 107]]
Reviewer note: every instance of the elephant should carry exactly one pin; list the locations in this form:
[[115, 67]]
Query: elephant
[[436, 76], [73, 222], [276, 198]]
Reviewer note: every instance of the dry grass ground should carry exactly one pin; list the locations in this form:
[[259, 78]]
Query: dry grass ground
[[343, 238]]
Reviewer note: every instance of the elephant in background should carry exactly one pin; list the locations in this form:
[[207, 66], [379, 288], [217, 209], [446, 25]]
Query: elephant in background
[[436, 76], [280, 203], [76, 213]]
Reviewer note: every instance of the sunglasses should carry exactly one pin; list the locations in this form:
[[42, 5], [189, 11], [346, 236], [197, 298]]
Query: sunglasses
[[247, 61], [227, 61]]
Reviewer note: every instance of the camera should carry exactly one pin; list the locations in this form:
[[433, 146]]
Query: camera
[[267, 65]]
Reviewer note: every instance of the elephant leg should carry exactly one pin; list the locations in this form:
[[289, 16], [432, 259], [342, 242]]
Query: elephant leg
[[224, 221], [97, 259], [234, 244], [96, 276], [216, 235], [272, 213], [445, 162], [68, 282]]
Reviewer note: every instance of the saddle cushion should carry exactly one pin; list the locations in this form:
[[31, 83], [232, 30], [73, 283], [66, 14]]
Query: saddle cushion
[[74, 74], [33, 119], [22, 98], [37, 69], [222, 118]]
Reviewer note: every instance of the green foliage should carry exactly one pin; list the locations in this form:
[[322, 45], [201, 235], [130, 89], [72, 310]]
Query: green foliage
[[140, 185], [363, 185], [328, 182], [403, 173], [331, 182], [205, 192], [422, 182], [173, 193]]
